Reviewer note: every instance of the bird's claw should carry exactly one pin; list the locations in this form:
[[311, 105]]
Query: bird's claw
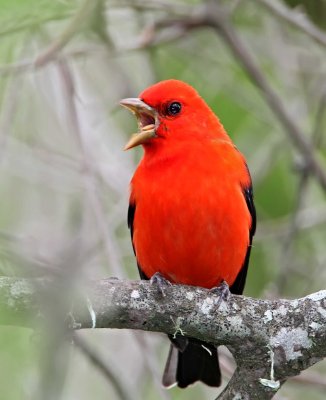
[[222, 291], [161, 283]]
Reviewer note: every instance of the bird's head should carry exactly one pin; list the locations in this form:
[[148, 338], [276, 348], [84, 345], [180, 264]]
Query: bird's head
[[171, 110]]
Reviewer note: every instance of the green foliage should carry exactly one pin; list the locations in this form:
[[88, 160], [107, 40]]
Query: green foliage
[[64, 177]]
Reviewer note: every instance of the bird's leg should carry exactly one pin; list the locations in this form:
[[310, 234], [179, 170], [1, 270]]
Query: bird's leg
[[161, 283], [222, 291]]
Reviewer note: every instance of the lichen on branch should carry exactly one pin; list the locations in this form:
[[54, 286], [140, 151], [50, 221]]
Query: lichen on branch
[[271, 340]]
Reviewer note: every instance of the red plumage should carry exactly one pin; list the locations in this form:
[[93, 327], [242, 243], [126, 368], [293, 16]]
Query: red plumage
[[191, 211]]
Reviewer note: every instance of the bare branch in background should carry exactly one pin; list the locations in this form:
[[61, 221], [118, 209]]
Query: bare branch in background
[[296, 18], [287, 254], [105, 369], [103, 62], [88, 166], [91, 178], [75, 25], [307, 218]]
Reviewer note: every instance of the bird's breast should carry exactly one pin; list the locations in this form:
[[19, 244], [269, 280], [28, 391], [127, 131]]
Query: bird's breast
[[191, 223]]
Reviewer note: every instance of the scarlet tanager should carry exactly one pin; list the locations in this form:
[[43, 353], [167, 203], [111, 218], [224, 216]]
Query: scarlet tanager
[[191, 213]]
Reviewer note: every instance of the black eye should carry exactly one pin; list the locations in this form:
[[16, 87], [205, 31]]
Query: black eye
[[174, 108]]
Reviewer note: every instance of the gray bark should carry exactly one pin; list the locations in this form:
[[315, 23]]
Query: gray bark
[[271, 340]]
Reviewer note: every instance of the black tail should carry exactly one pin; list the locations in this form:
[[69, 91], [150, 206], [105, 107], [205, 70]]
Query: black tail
[[191, 360]]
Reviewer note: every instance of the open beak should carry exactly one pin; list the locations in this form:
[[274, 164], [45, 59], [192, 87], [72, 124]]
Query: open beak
[[147, 121]]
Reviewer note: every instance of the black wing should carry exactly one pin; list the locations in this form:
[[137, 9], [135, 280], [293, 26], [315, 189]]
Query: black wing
[[239, 283], [130, 219]]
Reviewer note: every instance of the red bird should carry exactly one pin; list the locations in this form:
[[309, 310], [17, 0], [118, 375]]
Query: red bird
[[191, 213]]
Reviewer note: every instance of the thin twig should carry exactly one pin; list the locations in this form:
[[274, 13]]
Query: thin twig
[[297, 19], [30, 65], [309, 218], [88, 167], [287, 254], [148, 353], [171, 7], [102, 366], [29, 23], [75, 25]]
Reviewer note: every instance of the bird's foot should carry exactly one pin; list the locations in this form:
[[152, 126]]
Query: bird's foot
[[160, 282], [222, 291]]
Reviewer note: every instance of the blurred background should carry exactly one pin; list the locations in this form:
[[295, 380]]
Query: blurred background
[[64, 177]]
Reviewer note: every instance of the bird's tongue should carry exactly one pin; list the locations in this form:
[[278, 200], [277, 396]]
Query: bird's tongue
[[146, 128], [146, 132], [145, 120]]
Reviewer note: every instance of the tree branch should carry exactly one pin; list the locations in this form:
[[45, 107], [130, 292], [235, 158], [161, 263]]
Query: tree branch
[[270, 340], [296, 18], [102, 366]]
